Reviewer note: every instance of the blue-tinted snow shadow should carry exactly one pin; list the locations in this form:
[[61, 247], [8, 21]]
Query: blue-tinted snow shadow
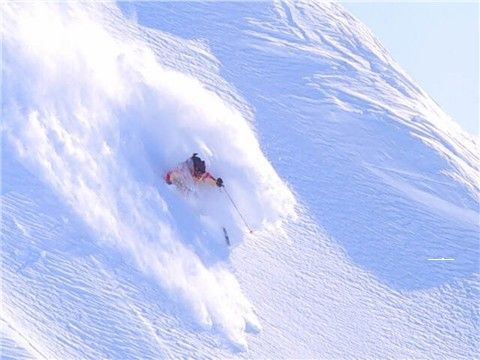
[[42, 237], [36, 224], [326, 153]]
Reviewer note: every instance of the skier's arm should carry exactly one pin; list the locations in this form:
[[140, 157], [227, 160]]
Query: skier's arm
[[168, 177], [209, 179]]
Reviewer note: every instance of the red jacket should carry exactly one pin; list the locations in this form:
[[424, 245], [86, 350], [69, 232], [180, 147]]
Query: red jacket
[[177, 175]]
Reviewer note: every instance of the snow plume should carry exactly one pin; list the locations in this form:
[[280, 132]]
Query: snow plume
[[92, 114]]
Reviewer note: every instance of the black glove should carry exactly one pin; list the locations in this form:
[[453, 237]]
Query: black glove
[[219, 182]]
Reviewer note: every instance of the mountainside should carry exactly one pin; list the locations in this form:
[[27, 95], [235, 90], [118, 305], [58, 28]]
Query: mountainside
[[352, 178]]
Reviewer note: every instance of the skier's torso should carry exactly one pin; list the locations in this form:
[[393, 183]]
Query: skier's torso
[[184, 176]]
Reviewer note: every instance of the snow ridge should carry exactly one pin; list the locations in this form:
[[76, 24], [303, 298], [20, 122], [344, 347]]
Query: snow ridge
[[101, 259]]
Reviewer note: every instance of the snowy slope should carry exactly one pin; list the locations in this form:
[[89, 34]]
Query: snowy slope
[[350, 174]]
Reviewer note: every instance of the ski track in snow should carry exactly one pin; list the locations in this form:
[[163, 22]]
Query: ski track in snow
[[97, 107]]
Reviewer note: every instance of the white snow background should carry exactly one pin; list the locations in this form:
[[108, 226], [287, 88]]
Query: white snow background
[[351, 176]]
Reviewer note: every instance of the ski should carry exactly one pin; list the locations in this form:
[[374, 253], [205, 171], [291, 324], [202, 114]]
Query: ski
[[225, 234]]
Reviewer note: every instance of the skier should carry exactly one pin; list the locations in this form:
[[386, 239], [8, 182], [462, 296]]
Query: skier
[[191, 171]]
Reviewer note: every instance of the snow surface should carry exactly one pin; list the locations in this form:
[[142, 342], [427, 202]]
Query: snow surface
[[351, 176]]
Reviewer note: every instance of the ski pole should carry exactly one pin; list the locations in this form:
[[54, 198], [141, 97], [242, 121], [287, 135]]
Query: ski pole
[[236, 208]]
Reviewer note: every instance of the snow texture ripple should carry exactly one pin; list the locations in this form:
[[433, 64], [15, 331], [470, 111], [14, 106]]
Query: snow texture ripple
[[352, 177]]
